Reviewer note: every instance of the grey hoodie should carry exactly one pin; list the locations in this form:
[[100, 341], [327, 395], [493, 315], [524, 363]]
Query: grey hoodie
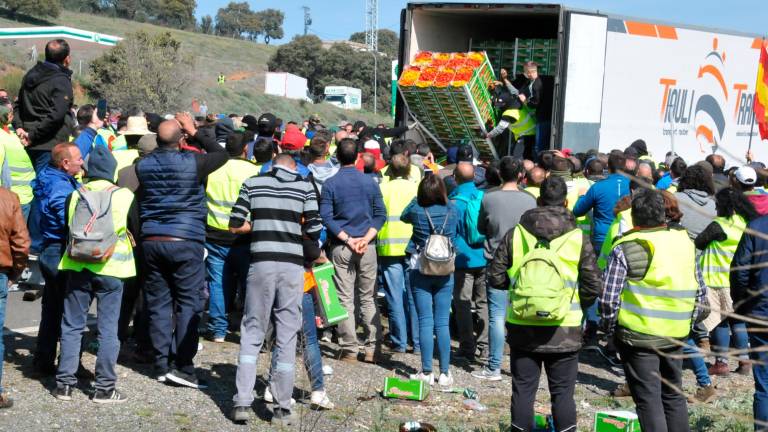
[[322, 172], [698, 210]]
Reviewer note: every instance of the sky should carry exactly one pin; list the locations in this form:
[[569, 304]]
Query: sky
[[337, 19]]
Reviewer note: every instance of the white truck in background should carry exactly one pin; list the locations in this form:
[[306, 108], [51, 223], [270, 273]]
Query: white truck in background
[[287, 85], [349, 98], [608, 80]]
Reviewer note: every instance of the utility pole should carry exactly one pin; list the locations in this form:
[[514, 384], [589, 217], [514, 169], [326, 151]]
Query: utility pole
[[372, 42], [307, 19]]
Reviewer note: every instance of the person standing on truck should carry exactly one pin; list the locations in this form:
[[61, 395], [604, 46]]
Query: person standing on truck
[[530, 89], [515, 117]]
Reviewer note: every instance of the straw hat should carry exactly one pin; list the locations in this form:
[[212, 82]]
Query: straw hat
[[136, 126]]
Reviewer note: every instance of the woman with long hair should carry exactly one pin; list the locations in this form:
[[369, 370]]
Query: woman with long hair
[[431, 213]]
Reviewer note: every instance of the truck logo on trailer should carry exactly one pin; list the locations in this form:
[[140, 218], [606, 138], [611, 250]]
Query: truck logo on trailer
[[701, 109]]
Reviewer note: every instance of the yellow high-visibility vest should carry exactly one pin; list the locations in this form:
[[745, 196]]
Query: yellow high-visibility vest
[[19, 164], [124, 158], [716, 259], [568, 246], [223, 189], [121, 264], [662, 302], [526, 121], [394, 234]]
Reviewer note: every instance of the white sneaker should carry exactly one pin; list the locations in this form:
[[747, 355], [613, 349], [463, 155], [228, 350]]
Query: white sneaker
[[427, 378], [327, 370], [445, 380], [319, 400], [270, 399]]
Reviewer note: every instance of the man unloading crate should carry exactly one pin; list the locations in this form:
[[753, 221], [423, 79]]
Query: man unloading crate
[[516, 116]]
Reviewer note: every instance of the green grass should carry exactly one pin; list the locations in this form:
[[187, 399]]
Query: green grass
[[212, 55]]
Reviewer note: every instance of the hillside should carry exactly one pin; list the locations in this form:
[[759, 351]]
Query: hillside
[[244, 62]]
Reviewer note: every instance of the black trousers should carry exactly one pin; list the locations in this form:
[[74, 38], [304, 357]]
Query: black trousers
[[655, 380], [132, 306], [562, 369]]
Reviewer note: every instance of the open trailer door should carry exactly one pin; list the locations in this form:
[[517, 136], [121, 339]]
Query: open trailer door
[[580, 107]]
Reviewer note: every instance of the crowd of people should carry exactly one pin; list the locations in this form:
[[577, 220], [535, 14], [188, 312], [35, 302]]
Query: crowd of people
[[173, 223]]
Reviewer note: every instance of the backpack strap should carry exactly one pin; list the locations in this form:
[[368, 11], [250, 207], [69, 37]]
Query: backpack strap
[[429, 220]]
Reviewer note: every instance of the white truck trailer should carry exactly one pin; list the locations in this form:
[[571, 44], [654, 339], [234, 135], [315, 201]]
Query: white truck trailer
[[608, 80], [286, 85]]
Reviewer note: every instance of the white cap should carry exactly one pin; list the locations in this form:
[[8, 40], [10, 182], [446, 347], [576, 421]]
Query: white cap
[[746, 175]]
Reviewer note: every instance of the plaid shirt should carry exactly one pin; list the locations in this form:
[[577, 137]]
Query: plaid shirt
[[615, 277]]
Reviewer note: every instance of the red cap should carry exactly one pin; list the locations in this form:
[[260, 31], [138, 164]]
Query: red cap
[[293, 139]]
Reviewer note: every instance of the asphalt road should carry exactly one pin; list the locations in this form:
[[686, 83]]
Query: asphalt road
[[23, 316]]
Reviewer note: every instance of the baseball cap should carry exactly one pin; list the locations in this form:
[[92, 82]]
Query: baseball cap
[[746, 175]]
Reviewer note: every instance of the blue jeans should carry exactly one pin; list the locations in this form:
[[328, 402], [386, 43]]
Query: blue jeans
[[433, 295], [3, 301], [757, 340], [52, 305], [402, 311], [543, 129], [497, 317], [721, 338], [226, 267], [82, 287], [697, 363], [25, 209], [173, 295]]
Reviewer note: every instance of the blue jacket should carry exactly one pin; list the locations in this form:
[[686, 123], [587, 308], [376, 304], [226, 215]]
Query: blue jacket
[[749, 271], [416, 215], [601, 198], [88, 139], [351, 202], [467, 257], [171, 198], [51, 188], [664, 182], [303, 171]]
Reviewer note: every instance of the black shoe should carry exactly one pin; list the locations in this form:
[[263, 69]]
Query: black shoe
[[282, 417], [182, 378], [240, 414], [108, 397], [63, 392]]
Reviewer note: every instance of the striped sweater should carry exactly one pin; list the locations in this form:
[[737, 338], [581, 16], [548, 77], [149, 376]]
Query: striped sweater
[[282, 208]]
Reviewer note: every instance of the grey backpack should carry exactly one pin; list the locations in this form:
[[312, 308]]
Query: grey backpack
[[92, 236], [438, 256]]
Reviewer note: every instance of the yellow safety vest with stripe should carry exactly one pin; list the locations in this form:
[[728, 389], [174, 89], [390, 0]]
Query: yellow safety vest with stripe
[[568, 246], [121, 264], [621, 224], [526, 121], [119, 143], [124, 158], [576, 188], [716, 260], [107, 135], [20, 166], [662, 303], [394, 235], [414, 174], [223, 189]]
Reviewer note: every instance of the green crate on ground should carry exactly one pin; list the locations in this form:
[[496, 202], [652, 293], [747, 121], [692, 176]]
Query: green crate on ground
[[616, 421], [400, 388]]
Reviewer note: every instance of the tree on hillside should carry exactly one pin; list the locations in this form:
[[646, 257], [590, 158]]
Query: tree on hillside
[[389, 42], [271, 21], [87, 6], [301, 56], [128, 8], [177, 13], [235, 20], [206, 24], [50, 8], [339, 65], [144, 70]]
